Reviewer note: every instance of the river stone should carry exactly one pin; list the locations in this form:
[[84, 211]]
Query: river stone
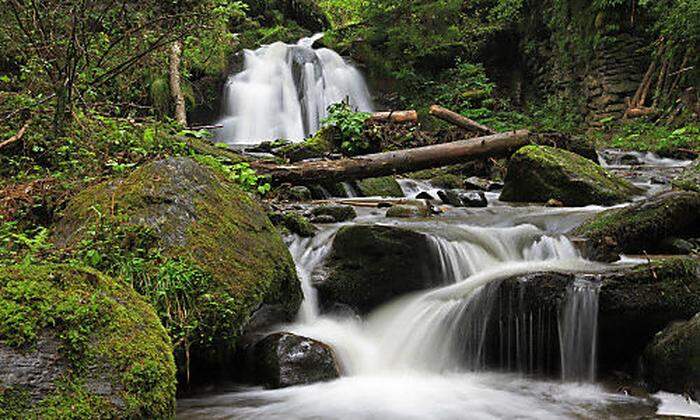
[[473, 199], [689, 179], [401, 211], [196, 215], [338, 213], [641, 227], [451, 197], [75, 342], [540, 173], [297, 193], [284, 359], [370, 265], [447, 181], [379, 187], [298, 224], [672, 361], [476, 183]]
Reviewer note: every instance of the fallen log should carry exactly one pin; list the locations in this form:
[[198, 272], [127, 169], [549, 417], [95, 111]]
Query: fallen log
[[395, 162], [395, 116], [459, 120]]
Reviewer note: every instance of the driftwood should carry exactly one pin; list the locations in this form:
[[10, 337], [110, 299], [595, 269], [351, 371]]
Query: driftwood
[[459, 120], [16, 137], [395, 116], [395, 162]]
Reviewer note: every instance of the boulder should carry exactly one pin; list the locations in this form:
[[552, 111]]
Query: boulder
[[298, 224], [75, 343], [476, 183], [283, 359], [575, 144], [451, 197], [672, 361], [198, 219], [447, 181], [689, 179], [295, 193], [473, 199], [338, 213], [641, 227], [541, 173], [370, 265], [379, 187], [401, 211]]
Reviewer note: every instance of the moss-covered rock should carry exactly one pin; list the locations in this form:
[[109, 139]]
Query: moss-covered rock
[[580, 145], [339, 213], [296, 223], [540, 173], [380, 187], [77, 344], [689, 179], [401, 211], [641, 227], [198, 216], [370, 265], [447, 181], [637, 303], [315, 147], [672, 361]]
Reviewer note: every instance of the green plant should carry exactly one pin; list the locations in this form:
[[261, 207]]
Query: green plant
[[349, 126], [240, 173]]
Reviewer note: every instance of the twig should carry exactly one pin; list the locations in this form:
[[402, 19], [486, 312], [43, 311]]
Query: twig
[[17, 136]]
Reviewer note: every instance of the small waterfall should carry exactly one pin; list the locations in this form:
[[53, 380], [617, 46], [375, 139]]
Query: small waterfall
[[578, 331], [284, 91], [350, 190]]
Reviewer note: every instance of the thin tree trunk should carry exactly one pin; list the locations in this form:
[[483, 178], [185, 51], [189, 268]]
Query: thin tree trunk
[[459, 120], [175, 83], [395, 162], [395, 116]]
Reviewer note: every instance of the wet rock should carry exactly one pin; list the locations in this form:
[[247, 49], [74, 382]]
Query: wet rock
[[296, 193], [630, 159], [339, 213], [672, 361], [284, 359], [473, 199], [689, 179], [323, 219], [447, 181], [379, 187], [401, 211], [540, 173], [424, 196], [552, 202], [370, 265], [451, 197], [475, 183], [641, 227], [296, 223]]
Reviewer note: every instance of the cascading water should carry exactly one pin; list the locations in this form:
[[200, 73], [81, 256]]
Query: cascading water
[[578, 331], [284, 91]]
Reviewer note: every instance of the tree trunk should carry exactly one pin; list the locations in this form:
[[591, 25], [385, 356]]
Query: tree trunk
[[395, 162], [395, 116], [459, 120], [175, 87]]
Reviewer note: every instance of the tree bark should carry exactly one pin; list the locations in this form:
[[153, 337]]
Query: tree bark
[[175, 86], [395, 116], [400, 161], [459, 120]]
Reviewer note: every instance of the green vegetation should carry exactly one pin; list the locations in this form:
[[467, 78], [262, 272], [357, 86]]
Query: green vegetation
[[348, 126]]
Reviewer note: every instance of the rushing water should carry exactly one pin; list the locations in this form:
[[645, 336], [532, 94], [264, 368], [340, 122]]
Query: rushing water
[[578, 331], [284, 91]]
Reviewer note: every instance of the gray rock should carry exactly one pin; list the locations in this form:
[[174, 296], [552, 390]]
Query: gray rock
[[473, 199], [451, 197], [339, 213]]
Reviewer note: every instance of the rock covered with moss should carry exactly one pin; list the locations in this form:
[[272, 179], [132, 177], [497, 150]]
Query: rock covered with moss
[[641, 227], [379, 187], [689, 179], [672, 361], [77, 344], [541, 173], [198, 216], [370, 265]]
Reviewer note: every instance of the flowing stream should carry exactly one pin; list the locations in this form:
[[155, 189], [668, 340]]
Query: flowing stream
[[284, 91]]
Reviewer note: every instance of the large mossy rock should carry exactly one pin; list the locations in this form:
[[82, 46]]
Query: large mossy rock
[[672, 361], [641, 227], [637, 303], [541, 173], [370, 265], [379, 187], [689, 179], [77, 344], [198, 216], [283, 359]]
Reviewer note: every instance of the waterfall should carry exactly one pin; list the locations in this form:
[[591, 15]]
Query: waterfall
[[578, 331], [284, 90]]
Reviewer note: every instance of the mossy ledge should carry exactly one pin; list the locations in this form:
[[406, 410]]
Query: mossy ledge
[[541, 173], [81, 345], [199, 216]]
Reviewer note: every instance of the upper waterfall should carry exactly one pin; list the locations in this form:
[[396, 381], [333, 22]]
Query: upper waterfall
[[284, 91]]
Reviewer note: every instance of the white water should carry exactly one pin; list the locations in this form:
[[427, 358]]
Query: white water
[[578, 331], [284, 92]]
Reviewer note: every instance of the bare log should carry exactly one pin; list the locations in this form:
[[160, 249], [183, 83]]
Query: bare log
[[175, 87], [395, 162], [16, 137], [459, 120], [395, 116]]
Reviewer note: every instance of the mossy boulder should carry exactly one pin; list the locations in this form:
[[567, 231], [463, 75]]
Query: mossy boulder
[[334, 213], [402, 211], [314, 147], [672, 361], [198, 216], [296, 223], [541, 173], [641, 227], [447, 181], [637, 303], [689, 179], [370, 265], [379, 187], [75, 343]]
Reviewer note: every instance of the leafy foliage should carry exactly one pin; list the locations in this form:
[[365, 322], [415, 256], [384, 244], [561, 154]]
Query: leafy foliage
[[349, 125]]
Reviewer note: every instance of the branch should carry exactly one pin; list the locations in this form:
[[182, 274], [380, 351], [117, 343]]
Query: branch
[[17, 136]]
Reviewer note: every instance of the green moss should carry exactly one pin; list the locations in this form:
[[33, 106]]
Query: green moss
[[689, 179], [339, 212], [447, 181], [298, 224], [100, 323], [380, 187], [320, 144], [199, 217], [541, 173]]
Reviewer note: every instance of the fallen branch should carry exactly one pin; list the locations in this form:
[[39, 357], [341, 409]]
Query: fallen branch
[[395, 162], [395, 116], [16, 137], [459, 120], [206, 127]]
